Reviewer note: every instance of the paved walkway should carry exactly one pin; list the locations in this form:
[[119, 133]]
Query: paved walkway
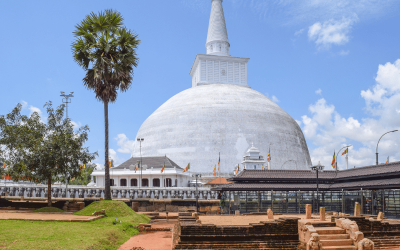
[[46, 217]]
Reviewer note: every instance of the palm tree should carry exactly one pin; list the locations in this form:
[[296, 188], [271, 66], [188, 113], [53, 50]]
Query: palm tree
[[106, 50]]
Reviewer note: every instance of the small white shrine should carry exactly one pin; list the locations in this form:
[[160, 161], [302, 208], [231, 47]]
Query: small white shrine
[[253, 159], [149, 175]]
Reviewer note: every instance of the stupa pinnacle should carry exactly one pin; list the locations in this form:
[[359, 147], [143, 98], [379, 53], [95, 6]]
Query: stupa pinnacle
[[217, 37], [220, 113]]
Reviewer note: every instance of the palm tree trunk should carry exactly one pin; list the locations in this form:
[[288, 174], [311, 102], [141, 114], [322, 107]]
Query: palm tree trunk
[[107, 191], [49, 192]]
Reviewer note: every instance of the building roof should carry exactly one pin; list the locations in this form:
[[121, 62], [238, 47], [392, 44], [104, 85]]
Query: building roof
[[218, 181], [354, 173], [369, 177], [150, 161]]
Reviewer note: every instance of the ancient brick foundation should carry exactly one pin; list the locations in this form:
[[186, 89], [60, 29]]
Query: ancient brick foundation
[[280, 233]]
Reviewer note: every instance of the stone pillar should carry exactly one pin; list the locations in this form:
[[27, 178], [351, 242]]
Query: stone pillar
[[123, 193], [115, 193], [270, 214], [308, 211], [322, 213], [380, 216], [173, 194], [237, 212], [81, 193], [357, 209]]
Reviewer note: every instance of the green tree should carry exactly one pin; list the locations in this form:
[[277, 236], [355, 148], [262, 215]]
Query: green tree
[[106, 50], [84, 178], [42, 152]]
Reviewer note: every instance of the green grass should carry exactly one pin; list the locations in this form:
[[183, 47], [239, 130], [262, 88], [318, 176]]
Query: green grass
[[48, 210], [99, 234]]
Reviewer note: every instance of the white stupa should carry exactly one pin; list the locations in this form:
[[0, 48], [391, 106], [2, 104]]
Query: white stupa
[[222, 114]]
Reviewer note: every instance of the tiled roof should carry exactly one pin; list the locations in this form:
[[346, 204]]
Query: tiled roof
[[150, 161], [218, 181], [384, 183], [390, 168]]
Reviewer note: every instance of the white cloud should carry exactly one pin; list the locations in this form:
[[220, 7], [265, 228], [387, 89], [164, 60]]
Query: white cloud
[[114, 156], [76, 125], [24, 104], [275, 99], [318, 91], [327, 130], [126, 146], [299, 32], [295, 12], [331, 32], [344, 52], [35, 109]]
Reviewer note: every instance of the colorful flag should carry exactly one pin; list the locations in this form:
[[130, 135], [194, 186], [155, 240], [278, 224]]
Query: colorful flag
[[219, 160], [346, 151], [387, 160], [4, 165], [109, 164], [187, 167], [137, 166], [83, 165], [334, 160], [262, 166], [71, 179], [237, 170], [269, 155], [163, 167], [214, 171], [184, 171]]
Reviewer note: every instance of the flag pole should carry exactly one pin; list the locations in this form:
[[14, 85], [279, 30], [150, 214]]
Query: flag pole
[[347, 160]]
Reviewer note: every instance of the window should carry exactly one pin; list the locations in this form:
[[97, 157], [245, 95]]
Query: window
[[176, 182], [156, 182], [133, 182], [145, 182], [111, 182], [168, 182], [255, 166], [122, 182]]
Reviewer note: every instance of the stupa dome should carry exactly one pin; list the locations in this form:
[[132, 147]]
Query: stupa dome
[[198, 123], [221, 114]]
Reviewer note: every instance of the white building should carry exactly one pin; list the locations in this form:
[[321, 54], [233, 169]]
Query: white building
[[220, 113], [150, 175], [253, 159]]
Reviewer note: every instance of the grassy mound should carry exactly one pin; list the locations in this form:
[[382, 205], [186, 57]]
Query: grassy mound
[[113, 209], [48, 210], [104, 233]]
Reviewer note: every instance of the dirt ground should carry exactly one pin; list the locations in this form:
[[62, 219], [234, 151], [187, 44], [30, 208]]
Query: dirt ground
[[44, 216], [242, 220], [150, 241]]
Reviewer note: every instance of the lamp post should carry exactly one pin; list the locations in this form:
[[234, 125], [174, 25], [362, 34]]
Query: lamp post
[[197, 193], [317, 169], [378, 144], [66, 99], [140, 142], [347, 160]]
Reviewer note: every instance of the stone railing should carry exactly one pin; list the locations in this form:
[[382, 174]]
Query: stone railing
[[72, 191], [356, 235]]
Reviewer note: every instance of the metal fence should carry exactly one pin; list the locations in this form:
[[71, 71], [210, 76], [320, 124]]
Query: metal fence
[[294, 202]]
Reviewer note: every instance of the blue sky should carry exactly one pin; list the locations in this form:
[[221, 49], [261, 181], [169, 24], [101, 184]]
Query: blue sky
[[334, 66]]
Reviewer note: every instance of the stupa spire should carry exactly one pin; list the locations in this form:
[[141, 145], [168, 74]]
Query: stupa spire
[[217, 37]]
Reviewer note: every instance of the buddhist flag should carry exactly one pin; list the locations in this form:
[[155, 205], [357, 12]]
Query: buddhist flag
[[346, 151], [334, 160], [269, 155], [219, 160], [214, 171], [262, 166], [163, 167], [137, 167], [83, 166], [4, 165], [183, 171], [109, 164], [387, 160], [187, 167], [237, 170]]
